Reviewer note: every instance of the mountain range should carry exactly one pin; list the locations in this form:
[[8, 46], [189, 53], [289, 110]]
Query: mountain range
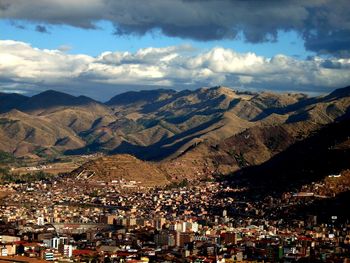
[[197, 133]]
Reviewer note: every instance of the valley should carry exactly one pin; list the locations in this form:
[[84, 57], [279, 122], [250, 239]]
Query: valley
[[183, 135]]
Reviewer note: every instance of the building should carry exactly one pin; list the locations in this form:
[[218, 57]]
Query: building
[[49, 256], [159, 222], [8, 239], [4, 252], [68, 251]]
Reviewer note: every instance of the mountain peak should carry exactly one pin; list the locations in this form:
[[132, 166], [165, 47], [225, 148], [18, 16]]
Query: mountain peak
[[52, 92], [51, 98], [139, 96]]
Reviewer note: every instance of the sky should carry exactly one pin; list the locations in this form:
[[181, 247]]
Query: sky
[[101, 48]]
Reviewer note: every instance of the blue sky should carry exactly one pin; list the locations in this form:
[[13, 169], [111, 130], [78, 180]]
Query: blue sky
[[95, 41], [101, 48]]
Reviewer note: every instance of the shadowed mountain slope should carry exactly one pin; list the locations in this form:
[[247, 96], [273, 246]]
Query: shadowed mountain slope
[[222, 130], [325, 152], [9, 101]]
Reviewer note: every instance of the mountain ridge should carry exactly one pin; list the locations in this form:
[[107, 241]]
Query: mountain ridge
[[207, 125]]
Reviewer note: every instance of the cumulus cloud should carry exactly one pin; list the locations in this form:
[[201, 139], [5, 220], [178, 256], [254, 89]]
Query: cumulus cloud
[[25, 67], [323, 24]]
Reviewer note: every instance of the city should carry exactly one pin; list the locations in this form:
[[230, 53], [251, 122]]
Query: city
[[69, 219]]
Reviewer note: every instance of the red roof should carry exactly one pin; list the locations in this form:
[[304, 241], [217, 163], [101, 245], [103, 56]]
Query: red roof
[[124, 253], [305, 238], [79, 252]]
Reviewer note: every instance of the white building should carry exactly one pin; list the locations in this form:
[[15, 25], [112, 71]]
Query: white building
[[40, 221], [4, 252], [68, 251]]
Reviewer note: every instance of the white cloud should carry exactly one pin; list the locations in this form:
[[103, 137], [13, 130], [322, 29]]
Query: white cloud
[[176, 66], [20, 61]]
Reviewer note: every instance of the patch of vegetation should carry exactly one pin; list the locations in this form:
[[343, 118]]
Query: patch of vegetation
[[207, 179], [239, 157], [41, 152], [3, 171], [6, 158], [7, 177], [4, 121], [53, 155], [88, 138], [180, 184], [241, 161]]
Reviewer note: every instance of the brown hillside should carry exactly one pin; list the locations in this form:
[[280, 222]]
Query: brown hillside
[[121, 167], [168, 125]]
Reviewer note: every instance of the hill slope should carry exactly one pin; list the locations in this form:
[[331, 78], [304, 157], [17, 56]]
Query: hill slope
[[220, 129], [325, 152], [121, 167], [9, 101], [263, 139]]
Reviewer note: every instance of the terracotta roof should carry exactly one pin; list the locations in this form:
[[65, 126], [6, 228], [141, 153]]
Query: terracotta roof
[[79, 252]]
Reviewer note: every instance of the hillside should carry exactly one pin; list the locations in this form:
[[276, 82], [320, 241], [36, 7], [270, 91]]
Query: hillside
[[121, 167], [22, 133], [309, 177], [263, 139], [9, 101], [218, 129], [260, 159], [51, 100], [325, 152]]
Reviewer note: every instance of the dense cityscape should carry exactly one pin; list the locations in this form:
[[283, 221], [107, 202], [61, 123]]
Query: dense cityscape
[[69, 219]]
